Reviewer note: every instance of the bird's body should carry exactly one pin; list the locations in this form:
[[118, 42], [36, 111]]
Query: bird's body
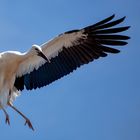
[[9, 62], [9, 65], [42, 65]]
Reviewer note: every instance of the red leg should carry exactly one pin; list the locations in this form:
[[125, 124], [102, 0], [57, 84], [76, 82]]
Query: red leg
[[27, 121], [7, 120]]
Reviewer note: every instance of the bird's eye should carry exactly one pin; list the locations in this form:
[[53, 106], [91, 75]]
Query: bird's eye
[[36, 49]]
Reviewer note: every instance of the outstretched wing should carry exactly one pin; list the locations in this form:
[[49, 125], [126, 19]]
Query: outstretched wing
[[72, 49]]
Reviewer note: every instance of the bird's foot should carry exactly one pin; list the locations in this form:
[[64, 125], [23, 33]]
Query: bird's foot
[[7, 120], [28, 122]]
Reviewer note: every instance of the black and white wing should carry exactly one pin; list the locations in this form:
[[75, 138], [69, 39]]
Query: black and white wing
[[72, 49]]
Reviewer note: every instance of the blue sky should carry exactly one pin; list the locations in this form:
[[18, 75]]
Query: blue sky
[[99, 101]]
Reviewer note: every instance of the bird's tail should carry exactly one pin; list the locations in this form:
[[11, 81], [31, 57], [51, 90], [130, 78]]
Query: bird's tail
[[14, 93]]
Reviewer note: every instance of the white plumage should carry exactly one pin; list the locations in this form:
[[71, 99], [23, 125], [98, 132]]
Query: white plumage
[[42, 65]]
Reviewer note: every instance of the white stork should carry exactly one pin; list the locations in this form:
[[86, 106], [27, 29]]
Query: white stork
[[44, 64]]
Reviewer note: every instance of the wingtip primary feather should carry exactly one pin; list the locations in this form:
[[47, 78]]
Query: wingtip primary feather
[[113, 15], [101, 22]]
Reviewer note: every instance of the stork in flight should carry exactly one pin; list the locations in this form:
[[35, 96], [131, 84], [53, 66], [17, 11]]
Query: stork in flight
[[44, 64]]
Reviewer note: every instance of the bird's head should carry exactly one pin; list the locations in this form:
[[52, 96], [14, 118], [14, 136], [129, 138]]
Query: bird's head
[[38, 51]]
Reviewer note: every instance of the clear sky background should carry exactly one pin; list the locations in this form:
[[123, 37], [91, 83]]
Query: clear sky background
[[99, 101]]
